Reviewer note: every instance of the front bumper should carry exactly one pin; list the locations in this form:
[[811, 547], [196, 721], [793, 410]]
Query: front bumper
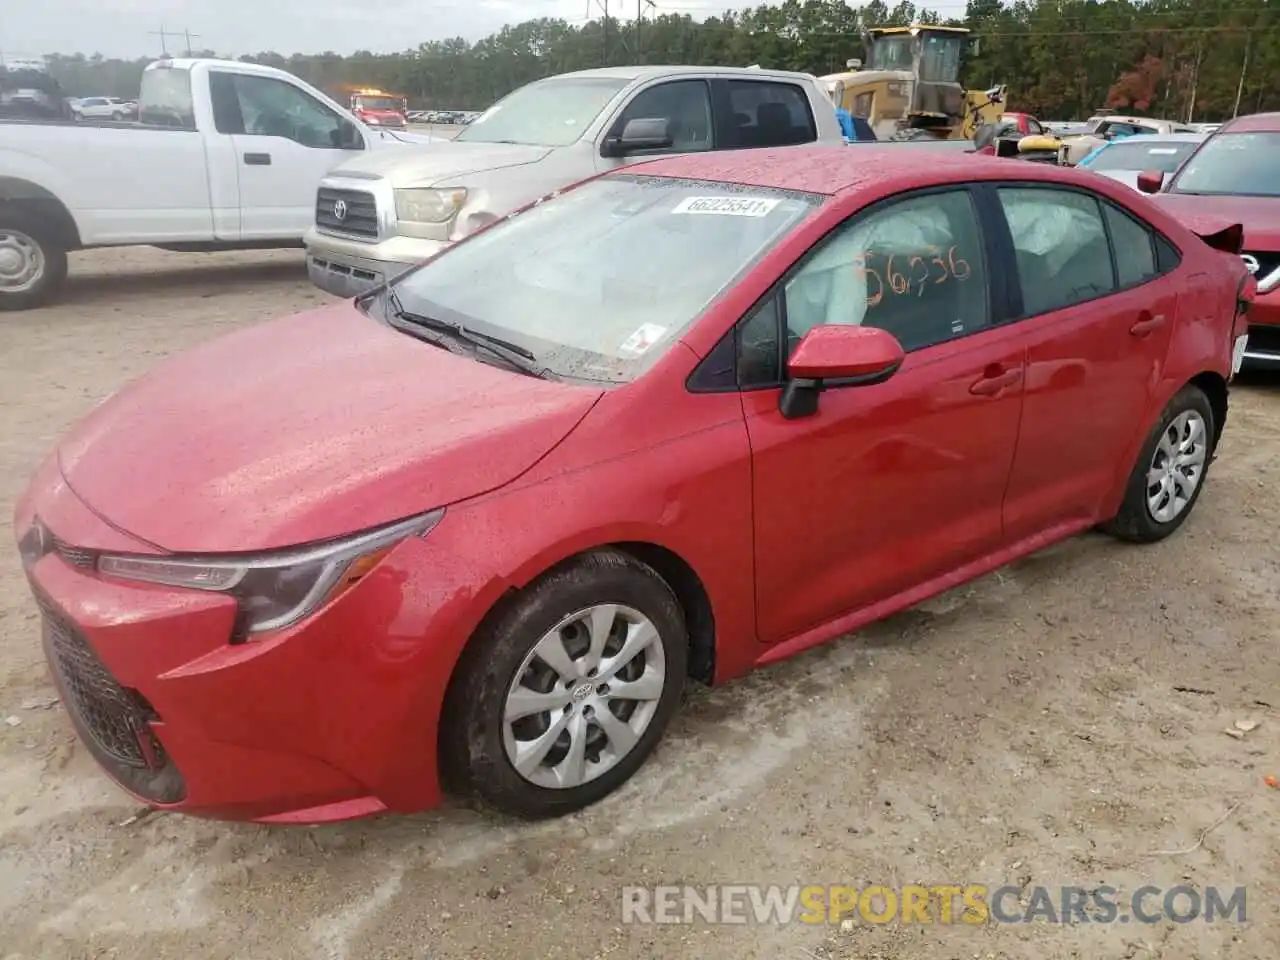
[[348, 268], [1262, 352], [332, 719]]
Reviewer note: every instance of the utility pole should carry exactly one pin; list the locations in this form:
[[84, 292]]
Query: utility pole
[[163, 34], [1244, 69], [189, 36]]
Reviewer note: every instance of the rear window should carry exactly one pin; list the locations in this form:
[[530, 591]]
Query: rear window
[[1139, 155], [165, 98]]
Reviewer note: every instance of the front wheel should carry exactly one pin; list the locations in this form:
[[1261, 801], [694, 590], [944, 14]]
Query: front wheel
[[32, 264], [117, 116], [1170, 472], [561, 698]]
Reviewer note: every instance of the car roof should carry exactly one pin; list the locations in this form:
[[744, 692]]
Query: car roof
[[1254, 123], [831, 170], [649, 71]]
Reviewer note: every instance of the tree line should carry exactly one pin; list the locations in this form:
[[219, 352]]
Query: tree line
[[1062, 59]]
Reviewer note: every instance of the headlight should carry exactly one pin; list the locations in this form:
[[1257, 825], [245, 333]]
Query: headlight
[[429, 206], [275, 590]]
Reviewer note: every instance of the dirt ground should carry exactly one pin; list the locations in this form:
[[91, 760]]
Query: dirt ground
[[1024, 729]]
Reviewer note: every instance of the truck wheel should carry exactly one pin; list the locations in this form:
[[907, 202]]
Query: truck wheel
[[117, 115], [32, 264], [77, 117]]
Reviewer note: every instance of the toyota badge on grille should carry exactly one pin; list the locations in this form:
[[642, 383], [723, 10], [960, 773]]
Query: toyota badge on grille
[[340, 209]]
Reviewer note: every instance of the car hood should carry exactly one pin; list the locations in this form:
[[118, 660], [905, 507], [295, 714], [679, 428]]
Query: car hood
[[1259, 215], [441, 160], [305, 429]]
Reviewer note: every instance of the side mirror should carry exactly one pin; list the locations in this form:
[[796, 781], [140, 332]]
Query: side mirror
[[349, 136], [643, 133], [836, 355], [1150, 181]]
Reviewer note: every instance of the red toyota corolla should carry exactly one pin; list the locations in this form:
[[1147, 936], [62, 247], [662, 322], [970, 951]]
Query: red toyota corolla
[[680, 421]]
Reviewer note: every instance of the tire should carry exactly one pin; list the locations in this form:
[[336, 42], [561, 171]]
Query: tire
[[1137, 521], [22, 230], [117, 116], [77, 117], [476, 741]]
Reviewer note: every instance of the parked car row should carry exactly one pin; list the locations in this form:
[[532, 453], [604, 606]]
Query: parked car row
[[442, 116]]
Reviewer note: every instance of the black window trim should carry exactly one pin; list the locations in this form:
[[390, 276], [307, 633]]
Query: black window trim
[[614, 128], [702, 378], [993, 187], [722, 106]]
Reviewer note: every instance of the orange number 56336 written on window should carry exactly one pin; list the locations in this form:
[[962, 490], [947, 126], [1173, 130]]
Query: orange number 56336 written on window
[[903, 274]]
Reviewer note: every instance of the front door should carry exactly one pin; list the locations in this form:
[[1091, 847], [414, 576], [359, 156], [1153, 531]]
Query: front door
[[684, 104], [886, 486], [1096, 340], [283, 142]]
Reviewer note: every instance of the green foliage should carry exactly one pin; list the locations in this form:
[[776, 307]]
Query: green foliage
[[1060, 58]]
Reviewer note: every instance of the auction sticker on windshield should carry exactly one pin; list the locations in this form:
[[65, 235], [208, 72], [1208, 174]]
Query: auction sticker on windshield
[[727, 206], [640, 341]]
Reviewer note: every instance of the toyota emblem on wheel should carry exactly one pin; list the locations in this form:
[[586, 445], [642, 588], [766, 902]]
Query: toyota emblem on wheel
[[340, 209], [1250, 261]]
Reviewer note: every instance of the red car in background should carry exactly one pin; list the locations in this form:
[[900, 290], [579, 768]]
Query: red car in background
[[478, 528], [1235, 175]]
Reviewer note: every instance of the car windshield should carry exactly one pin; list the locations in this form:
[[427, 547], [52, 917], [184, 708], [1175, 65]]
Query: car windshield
[[600, 282], [1142, 154], [1243, 164], [379, 103], [548, 113]]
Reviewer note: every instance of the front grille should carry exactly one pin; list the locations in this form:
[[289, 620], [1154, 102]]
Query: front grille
[[359, 209], [114, 721], [1267, 262], [1264, 339]]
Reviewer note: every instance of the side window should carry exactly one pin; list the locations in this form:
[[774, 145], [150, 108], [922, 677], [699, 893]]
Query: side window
[[684, 104], [1033, 127], [914, 268], [1061, 247], [759, 359], [1134, 248], [273, 108], [768, 114], [862, 105]]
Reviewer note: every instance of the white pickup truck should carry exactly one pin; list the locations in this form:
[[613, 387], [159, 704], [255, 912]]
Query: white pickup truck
[[376, 217], [225, 155]]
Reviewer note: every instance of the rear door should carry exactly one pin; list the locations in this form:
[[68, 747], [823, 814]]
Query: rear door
[[762, 113], [1097, 319]]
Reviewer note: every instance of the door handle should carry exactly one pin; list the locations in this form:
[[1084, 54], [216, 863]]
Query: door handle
[[258, 159], [995, 381], [1147, 324]]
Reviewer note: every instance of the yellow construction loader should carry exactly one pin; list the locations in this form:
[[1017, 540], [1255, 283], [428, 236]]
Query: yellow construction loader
[[909, 88]]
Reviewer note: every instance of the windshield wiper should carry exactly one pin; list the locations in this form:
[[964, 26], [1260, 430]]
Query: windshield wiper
[[512, 353]]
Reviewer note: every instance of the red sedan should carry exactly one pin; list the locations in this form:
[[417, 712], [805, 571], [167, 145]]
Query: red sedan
[[479, 528], [1235, 173]]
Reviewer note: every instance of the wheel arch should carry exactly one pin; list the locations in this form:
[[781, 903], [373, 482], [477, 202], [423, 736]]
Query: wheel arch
[[1214, 386], [20, 193]]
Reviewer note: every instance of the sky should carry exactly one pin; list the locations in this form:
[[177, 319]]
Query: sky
[[125, 28]]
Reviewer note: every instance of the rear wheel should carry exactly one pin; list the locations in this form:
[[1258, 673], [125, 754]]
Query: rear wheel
[[560, 700], [1170, 472], [32, 263], [117, 115]]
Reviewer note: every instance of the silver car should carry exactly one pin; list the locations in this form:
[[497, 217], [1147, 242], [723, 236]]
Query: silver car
[[1127, 157]]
